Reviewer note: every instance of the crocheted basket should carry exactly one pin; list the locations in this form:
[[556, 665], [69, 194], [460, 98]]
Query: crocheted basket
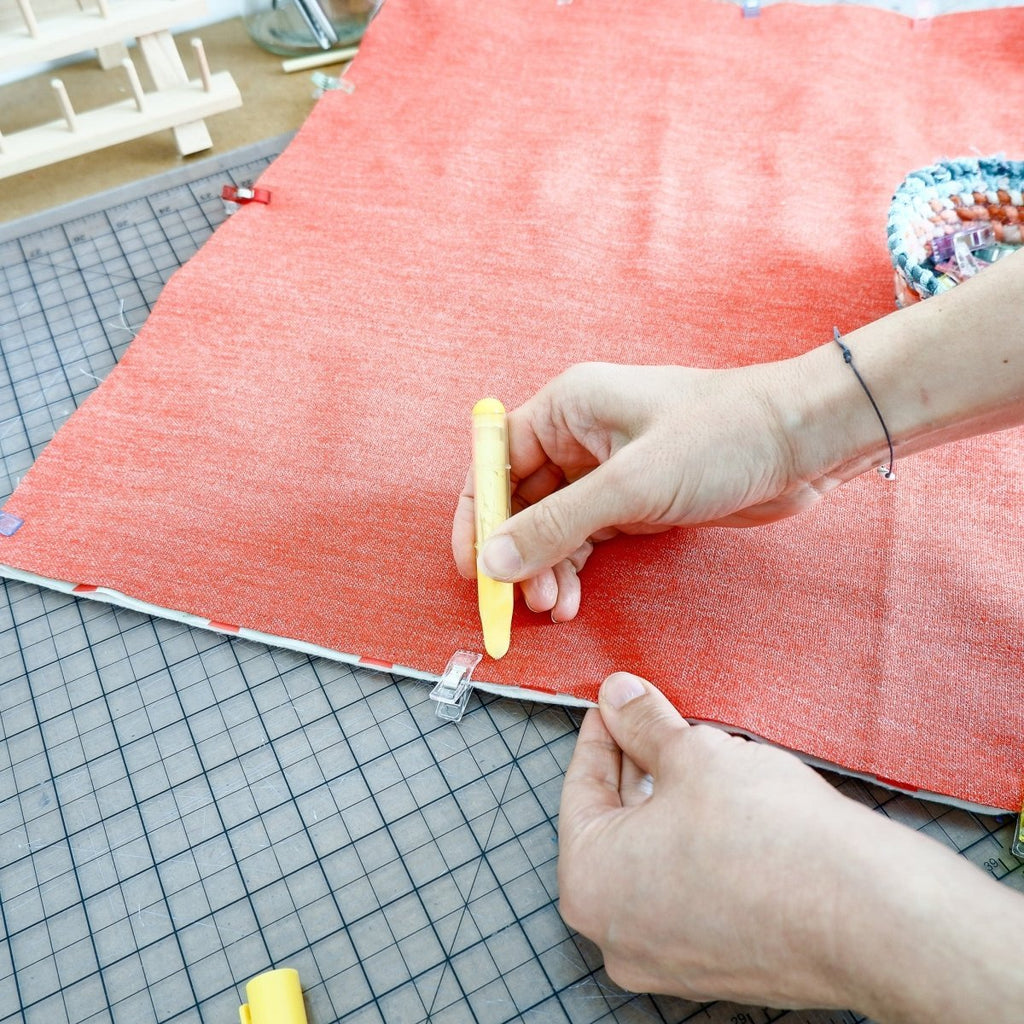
[[949, 220]]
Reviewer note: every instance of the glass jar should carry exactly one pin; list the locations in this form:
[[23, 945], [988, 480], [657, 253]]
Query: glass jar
[[294, 28]]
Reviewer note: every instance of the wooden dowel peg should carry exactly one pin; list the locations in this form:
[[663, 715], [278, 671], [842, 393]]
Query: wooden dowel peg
[[134, 83], [204, 64], [319, 60], [65, 104], [2, 150], [29, 17]]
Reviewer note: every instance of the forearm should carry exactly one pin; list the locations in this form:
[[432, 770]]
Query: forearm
[[944, 369], [926, 935], [931, 937]]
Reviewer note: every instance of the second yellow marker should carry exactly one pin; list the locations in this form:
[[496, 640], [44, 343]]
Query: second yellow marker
[[492, 502]]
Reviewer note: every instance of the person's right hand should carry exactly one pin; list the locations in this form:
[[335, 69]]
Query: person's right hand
[[604, 449], [607, 448]]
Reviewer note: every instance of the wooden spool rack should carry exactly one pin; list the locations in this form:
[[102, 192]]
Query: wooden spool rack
[[35, 36]]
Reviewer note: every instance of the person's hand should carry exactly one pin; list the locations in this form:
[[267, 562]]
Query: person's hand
[[606, 448], [709, 866], [703, 865]]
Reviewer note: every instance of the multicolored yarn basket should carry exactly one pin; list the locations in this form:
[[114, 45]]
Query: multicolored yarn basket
[[949, 220]]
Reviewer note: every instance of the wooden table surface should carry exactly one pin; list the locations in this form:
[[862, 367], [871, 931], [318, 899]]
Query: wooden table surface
[[272, 103]]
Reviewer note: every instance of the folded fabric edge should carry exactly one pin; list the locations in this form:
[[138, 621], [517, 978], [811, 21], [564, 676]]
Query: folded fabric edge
[[522, 693], [115, 597]]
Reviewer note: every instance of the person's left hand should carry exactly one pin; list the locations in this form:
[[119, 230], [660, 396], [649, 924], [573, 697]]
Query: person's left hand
[[705, 865]]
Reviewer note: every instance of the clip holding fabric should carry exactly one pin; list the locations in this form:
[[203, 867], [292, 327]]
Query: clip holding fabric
[[10, 524], [241, 194], [451, 694], [751, 8], [1017, 843], [966, 243], [957, 254]]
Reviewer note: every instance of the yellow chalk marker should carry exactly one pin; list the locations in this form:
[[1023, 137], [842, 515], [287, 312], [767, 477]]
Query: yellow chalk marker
[[275, 997], [492, 502]]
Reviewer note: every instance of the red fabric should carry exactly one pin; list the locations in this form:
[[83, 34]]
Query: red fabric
[[514, 187]]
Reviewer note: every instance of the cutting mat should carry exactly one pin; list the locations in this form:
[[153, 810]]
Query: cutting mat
[[180, 810]]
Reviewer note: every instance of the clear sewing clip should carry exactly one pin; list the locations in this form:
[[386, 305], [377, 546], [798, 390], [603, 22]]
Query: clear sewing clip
[[1017, 842], [451, 694]]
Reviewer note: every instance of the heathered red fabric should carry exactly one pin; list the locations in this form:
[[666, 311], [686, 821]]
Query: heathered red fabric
[[514, 187]]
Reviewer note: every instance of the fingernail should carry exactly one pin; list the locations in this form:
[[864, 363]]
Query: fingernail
[[500, 558], [620, 688], [548, 587]]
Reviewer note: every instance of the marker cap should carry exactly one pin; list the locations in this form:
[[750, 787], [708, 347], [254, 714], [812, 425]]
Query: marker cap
[[275, 997]]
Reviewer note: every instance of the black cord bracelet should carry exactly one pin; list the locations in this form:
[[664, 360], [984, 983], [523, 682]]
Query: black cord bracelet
[[884, 471]]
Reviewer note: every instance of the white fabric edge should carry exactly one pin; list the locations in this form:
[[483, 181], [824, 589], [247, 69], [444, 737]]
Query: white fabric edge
[[115, 597]]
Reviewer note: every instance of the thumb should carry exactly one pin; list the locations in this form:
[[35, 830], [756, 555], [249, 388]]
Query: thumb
[[640, 719], [544, 533]]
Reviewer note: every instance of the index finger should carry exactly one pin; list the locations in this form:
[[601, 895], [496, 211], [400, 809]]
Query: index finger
[[464, 530]]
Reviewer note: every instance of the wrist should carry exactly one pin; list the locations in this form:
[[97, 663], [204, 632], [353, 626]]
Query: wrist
[[938, 371], [832, 429]]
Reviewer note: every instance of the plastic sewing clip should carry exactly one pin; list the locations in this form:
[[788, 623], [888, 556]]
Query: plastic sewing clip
[[751, 8], [241, 195], [966, 243], [10, 524], [452, 691], [1017, 843], [330, 83]]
